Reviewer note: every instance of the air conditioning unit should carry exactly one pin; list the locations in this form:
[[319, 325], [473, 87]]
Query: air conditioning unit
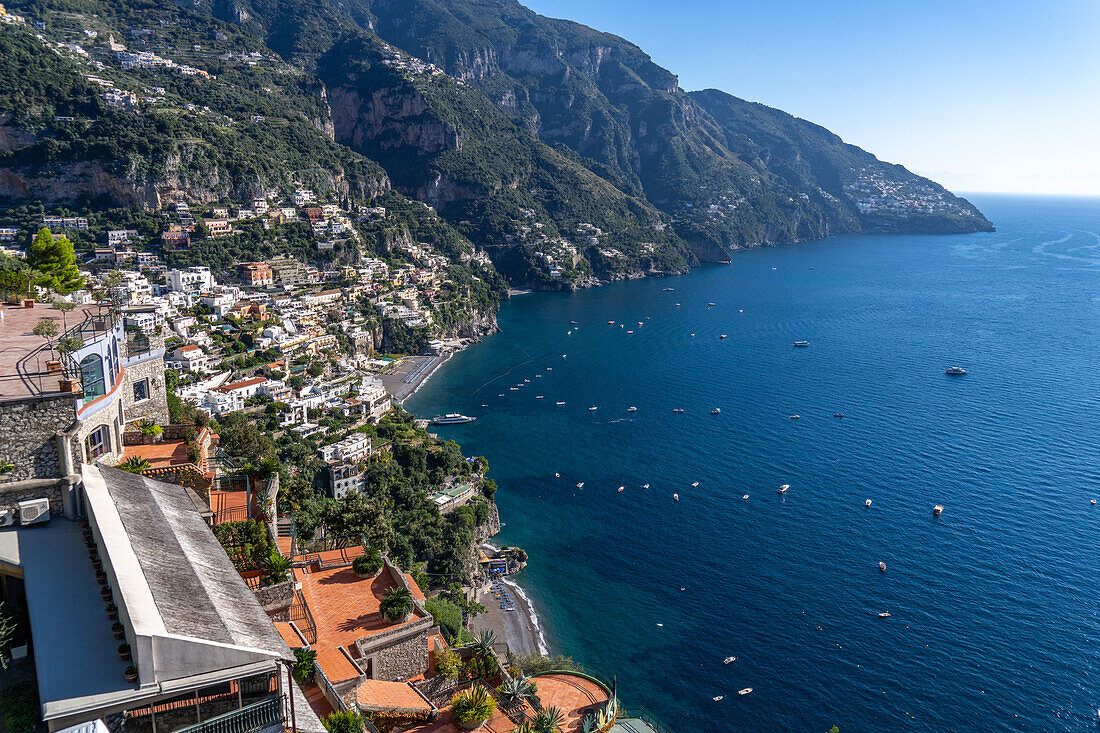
[[35, 511], [7, 517]]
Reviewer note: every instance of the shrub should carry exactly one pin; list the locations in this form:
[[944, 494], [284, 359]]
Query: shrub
[[150, 428], [19, 703], [446, 614], [397, 604], [369, 563], [344, 722], [134, 464], [472, 705], [448, 663], [304, 664]]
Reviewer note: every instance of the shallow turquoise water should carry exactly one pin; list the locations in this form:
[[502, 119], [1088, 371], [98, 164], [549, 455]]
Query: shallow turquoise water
[[994, 605]]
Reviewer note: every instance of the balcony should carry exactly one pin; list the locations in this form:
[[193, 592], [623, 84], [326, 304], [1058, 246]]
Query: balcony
[[263, 715]]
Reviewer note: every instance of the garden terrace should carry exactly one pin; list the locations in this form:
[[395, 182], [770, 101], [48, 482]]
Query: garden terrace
[[573, 694], [24, 356]]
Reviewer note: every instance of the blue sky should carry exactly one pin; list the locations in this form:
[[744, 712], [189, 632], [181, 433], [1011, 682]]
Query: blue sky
[[980, 95]]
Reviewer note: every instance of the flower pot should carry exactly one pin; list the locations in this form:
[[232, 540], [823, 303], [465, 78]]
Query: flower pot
[[84, 524], [472, 725], [105, 592], [112, 615], [124, 656], [101, 578], [97, 565], [131, 676], [120, 634], [54, 365], [87, 535]]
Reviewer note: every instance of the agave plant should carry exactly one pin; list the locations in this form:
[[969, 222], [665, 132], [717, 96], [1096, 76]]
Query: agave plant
[[485, 642], [134, 464], [518, 689], [548, 719], [472, 705]]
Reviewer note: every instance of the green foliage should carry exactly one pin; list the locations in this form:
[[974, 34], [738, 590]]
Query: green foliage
[[278, 568], [53, 257], [134, 464], [396, 604], [472, 705], [445, 614], [534, 663], [240, 438], [247, 543], [343, 722], [19, 705], [448, 663], [304, 664], [368, 563], [7, 634], [148, 427]]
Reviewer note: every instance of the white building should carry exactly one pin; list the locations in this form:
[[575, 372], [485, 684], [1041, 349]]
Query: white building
[[353, 448], [188, 358], [193, 279]]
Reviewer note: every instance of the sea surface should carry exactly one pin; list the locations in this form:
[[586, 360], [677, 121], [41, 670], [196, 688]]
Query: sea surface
[[994, 605]]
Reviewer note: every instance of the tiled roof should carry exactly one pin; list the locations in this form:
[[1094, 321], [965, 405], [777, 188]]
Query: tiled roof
[[379, 695], [334, 664]]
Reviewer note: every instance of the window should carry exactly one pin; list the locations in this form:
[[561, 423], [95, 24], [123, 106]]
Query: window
[[141, 390], [91, 376], [98, 442]]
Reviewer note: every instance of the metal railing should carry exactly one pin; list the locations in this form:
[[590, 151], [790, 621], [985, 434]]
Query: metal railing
[[249, 719], [659, 726], [299, 613]]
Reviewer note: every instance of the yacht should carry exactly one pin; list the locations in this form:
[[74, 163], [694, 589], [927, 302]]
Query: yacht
[[645, 486], [572, 323], [677, 305], [955, 371], [867, 503], [559, 404], [580, 485], [669, 290], [620, 490], [538, 397], [729, 660], [693, 335], [722, 336], [745, 691], [593, 408], [783, 489], [802, 343], [882, 566], [677, 409], [937, 510], [630, 332], [711, 305], [716, 411], [694, 484], [795, 417], [513, 389], [745, 497], [632, 409], [884, 614], [676, 497], [611, 323], [452, 419], [718, 698]]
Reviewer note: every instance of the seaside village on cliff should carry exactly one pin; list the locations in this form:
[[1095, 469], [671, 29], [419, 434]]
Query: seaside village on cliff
[[154, 578]]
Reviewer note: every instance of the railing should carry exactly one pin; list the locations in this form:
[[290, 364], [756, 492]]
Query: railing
[[302, 618], [249, 719], [645, 716], [327, 687]]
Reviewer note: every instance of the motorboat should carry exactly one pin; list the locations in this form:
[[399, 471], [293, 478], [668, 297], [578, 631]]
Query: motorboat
[[1093, 502], [884, 614], [645, 486], [557, 475], [611, 323], [513, 389], [620, 489], [867, 503], [744, 691], [580, 485], [677, 305], [882, 566], [538, 397], [593, 408], [955, 371], [452, 419], [538, 376], [729, 660], [677, 409], [559, 404], [669, 290], [937, 510], [630, 332], [802, 344], [572, 323], [676, 497], [745, 497], [550, 369], [718, 698], [784, 489], [694, 484], [722, 336], [838, 414], [632, 409], [795, 417], [693, 335], [716, 411]]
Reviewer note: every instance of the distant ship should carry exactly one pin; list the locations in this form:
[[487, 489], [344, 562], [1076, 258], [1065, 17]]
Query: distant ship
[[783, 489], [955, 370], [802, 343], [669, 290], [452, 419]]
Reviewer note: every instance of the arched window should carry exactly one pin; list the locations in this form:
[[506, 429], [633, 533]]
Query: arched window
[[91, 376]]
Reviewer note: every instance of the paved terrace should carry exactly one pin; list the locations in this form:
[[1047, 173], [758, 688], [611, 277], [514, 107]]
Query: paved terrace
[[574, 695], [345, 607], [23, 355]]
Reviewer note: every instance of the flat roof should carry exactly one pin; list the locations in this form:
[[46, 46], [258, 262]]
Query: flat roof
[[75, 652], [23, 355]]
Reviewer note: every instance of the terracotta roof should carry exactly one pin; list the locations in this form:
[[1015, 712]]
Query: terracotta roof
[[287, 632], [189, 348], [416, 592], [378, 695], [241, 384], [335, 665]]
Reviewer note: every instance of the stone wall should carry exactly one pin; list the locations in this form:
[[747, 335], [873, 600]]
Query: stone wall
[[155, 408], [28, 435], [400, 661], [13, 493], [276, 599]]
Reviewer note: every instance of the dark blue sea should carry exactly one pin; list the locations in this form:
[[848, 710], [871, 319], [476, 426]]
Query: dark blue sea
[[994, 605]]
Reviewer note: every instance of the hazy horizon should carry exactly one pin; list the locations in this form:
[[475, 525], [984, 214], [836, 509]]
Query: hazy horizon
[[994, 97]]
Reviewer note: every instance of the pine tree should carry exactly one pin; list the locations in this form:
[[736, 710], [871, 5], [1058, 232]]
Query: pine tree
[[54, 258]]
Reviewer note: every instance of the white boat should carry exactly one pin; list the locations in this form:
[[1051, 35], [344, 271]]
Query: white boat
[[718, 698], [884, 614], [580, 485], [559, 404], [677, 409], [538, 397], [882, 566], [611, 323], [745, 497], [630, 332], [745, 691], [693, 335], [632, 409], [452, 418], [573, 323], [722, 336], [1093, 502], [677, 305], [783, 489], [593, 408], [645, 486], [937, 510], [711, 305], [550, 369], [538, 376], [669, 290], [513, 389], [621, 489], [557, 475], [563, 355], [640, 323], [716, 411], [795, 417], [802, 344], [526, 381], [729, 660], [867, 503], [676, 497], [694, 484]]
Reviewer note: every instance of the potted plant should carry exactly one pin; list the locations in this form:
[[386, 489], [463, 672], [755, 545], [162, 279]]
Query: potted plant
[[101, 577], [124, 651], [112, 611], [151, 432], [470, 708], [97, 564], [369, 564], [131, 673], [105, 592], [118, 630], [397, 605]]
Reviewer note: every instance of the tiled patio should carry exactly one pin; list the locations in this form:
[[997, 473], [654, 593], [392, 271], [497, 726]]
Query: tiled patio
[[573, 695]]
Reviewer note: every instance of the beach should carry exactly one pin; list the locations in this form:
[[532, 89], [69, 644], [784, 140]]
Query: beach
[[403, 379], [519, 629]]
